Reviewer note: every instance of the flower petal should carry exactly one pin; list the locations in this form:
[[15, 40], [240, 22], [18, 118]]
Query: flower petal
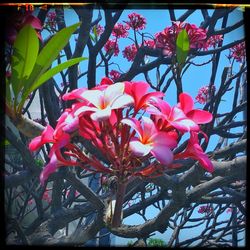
[[200, 116], [185, 125], [162, 153], [139, 148], [85, 109], [186, 102], [46, 137], [149, 128], [94, 96], [122, 101], [205, 162], [101, 114], [74, 94], [112, 92], [133, 123], [165, 139], [49, 169]]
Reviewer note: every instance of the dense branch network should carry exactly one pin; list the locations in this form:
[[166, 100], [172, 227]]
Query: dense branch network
[[46, 214]]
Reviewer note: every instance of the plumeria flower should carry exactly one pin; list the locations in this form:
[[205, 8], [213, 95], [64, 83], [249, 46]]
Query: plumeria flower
[[238, 52], [136, 21], [114, 74], [120, 30], [103, 102], [173, 116], [130, 52], [139, 92], [187, 105], [203, 94], [111, 46], [150, 140], [195, 152], [53, 165]]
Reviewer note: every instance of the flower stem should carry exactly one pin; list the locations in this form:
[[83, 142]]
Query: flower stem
[[117, 217]]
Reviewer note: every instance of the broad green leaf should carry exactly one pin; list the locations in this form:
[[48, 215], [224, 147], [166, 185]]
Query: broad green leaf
[[51, 72], [50, 52], [182, 46], [46, 57], [25, 52]]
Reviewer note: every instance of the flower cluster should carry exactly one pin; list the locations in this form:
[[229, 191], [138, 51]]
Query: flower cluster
[[212, 41], [129, 126], [238, 52], [136, 21], [166, 39], [203, 94], [120, 30], [99, 29], [205, 209], [111, 46], [51, 20], [130, 52], [150, 43], [114, 75]]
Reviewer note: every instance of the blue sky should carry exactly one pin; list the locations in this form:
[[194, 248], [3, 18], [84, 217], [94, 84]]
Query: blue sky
[[194, 78]]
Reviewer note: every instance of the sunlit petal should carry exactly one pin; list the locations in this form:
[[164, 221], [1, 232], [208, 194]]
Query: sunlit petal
[[200, 116], [101, 114], [138, 148], [122, 101], [186, 102], [112, 92], [94, 96]]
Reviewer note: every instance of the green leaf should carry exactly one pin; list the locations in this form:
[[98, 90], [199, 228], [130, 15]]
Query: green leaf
[[182, 46], [50, 52], [51, 72], [45, 59], [4, 143], [95, 33], [25, 52]]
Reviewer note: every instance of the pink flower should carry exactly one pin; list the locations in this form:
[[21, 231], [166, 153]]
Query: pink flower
[[46, 196], [136, 21], [111, 46], [205, 209], [150, 43], [138, 90], [195, 152], [30, 202], [114, 74], [203, 94], [187, 105], [120, 30], [101, 103], [197, 36], [99, 29], [150, 140], [51, 19], [166, 39], [229, 210], [238, 52], [56, 160], [173, 116], [212, 41], [130, 52]]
